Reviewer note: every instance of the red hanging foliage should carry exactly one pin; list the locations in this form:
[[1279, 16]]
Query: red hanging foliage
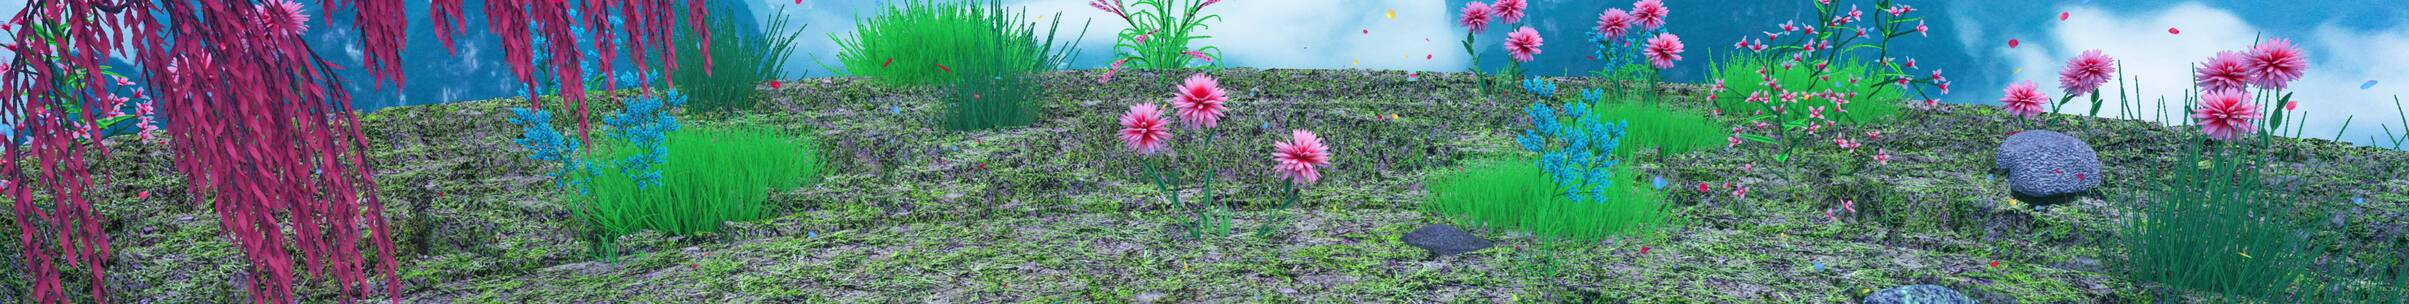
[[262, 127], [649, 31]]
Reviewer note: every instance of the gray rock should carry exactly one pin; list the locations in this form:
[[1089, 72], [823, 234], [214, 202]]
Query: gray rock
[[1918, 294], [1442, 239], [2044, 164]]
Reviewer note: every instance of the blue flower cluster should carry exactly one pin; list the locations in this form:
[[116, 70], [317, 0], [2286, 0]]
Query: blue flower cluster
[[645, 124], [1592, 95], [1577, 154], [1539, 86], [548, 145]]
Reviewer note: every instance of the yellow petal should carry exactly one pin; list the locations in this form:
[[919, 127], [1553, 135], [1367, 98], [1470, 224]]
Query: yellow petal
[[1392, 14]]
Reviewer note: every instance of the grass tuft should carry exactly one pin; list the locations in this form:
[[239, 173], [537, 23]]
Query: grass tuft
[[1654, 127], [1513, 192], [919, 43], [714, 174]]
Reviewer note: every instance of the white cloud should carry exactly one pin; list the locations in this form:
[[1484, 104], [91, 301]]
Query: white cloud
[[2340, 60]]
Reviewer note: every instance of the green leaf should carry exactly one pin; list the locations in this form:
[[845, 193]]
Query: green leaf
[[1757, 138]]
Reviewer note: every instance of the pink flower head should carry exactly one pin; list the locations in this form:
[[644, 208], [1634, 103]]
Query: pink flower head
[[283, 17], [2225, 115], [1143, 129], [1476, 16], [2228, 71], [1199, 101], [1298, 157], [1509, 11], [2086, 72], [1651, 13], [1664, 50], [2023, 99], [1615, 22], [1523, 43], [1882, 156], [2276, 63]]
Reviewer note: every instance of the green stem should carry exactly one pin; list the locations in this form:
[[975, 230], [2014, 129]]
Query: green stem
[[1151, 172]]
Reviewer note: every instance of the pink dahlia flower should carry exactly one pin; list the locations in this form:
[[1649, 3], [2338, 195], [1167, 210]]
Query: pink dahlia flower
[[1664, 50], [1651, 13], [1476, 16], [1143, 129], [2276, 63], [1199, 101], [2225, 115], [283, 17], [2228, 71], [2023, 99], [1523, 43], [1614, 23], [1509, 11], [2086, 72], [1298, 157]]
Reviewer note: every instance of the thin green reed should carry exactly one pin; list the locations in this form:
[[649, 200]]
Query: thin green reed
[[739, 62]]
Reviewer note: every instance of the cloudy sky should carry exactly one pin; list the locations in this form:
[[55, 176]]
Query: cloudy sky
[[2349, 42]]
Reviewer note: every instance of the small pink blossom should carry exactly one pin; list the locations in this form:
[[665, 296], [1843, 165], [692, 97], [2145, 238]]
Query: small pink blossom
[[1523, 43], [2023, 99], [1198, 55], [1297, 158], [1143, 130], [1664, 50], [1475, 17], [1116, 68], [1200, 101], [283, 17], [1651, 13], [1882, 156], [2225, 115], [2086, 72], [2227, 71], [1614, 23], [2276, 63], [1509, 11]]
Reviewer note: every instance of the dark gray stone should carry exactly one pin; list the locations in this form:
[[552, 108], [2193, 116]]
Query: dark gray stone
[[2043, 164], [1918, 294], [1442, 239]]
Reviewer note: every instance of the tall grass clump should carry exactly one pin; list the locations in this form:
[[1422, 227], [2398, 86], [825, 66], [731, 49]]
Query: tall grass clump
[[921, 43], [2211, 225], [710, 175], [1514, 193], [738, 63], [1161, 32], [1670, 131]]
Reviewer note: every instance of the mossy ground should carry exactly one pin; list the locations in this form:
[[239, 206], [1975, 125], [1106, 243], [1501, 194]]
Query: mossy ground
[[1058, 212]]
